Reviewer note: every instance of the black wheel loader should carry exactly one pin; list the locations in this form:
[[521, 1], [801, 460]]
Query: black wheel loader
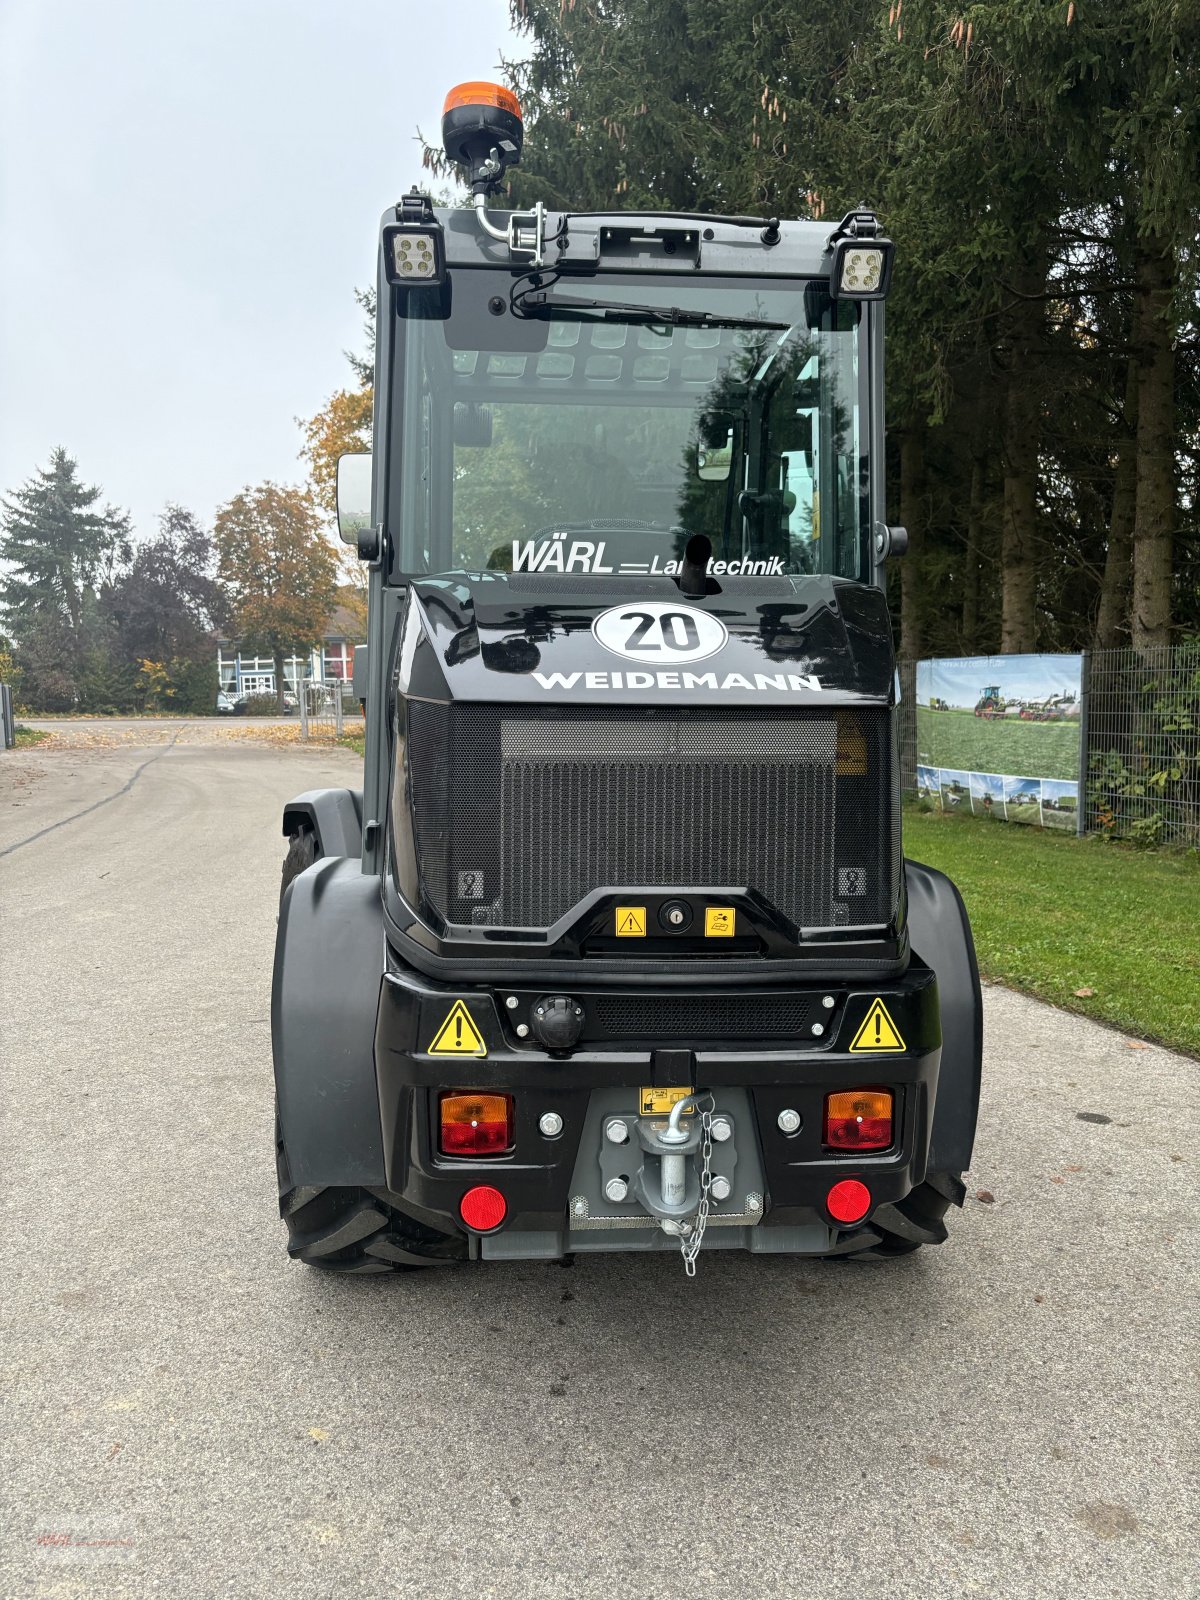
[[617, 948]]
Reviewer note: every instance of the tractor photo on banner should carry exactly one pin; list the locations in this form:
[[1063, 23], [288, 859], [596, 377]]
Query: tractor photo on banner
[[1000, 736]]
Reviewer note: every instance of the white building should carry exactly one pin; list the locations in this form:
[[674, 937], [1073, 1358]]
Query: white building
[[242, 673]]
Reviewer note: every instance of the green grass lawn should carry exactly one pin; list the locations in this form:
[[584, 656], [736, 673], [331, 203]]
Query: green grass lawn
[[965, 742], [1052, 914], [27, 736]]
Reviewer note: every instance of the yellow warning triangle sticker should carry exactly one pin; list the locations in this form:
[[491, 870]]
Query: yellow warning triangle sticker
[[878, 1031], [458, 1035]]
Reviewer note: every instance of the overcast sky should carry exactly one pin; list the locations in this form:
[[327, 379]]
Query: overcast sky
[[189, 195]]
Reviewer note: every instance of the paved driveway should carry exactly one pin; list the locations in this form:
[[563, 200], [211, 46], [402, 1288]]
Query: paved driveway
[[186, 1413]]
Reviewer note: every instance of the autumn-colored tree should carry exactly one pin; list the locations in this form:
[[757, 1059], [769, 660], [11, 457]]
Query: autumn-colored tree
[[341, 427], [343, 424], [278, 568]]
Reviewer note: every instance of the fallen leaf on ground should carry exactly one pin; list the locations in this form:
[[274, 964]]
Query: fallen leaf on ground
[[985, 1197], [1084, 994], [318, 1434], [1137, 1044], [1039, 1299]]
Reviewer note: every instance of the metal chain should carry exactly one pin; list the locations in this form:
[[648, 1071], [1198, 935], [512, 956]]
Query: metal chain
[[689, 1243]]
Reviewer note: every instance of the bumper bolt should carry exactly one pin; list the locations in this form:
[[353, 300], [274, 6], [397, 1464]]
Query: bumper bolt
[[512, 1002], [551, 1124], [522, 1030], [579, 1206], [827, 1002], [818, 1029], [722, 1129], [616, 1132], [788, 1121], [753, 1203], [616, 1189], [720, 1188]]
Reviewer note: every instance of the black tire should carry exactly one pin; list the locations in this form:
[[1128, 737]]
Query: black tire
[[898, 1230], [356, 1230], [302, 851]]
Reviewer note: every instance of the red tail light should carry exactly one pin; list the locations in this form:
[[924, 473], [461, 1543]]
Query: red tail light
[[858, 1119], [475, 1124]]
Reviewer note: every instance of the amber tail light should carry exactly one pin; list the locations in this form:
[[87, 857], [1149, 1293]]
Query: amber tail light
[[475, 1124], [858, 1119]]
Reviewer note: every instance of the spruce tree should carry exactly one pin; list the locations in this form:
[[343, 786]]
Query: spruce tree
[[59, 549]]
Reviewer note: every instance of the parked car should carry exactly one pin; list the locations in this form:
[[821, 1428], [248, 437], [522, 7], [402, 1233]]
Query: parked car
[[231, 704]]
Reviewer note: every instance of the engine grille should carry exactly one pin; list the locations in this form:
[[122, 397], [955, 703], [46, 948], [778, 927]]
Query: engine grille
[[686, 1016], [518, 816]]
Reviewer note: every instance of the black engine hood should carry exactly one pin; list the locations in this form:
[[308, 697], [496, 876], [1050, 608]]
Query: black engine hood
[[537, 639]]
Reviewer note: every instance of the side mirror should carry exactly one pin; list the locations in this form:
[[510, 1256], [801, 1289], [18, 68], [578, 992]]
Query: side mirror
[[713, 462], [354, 498], [360, 674], [714, 446]]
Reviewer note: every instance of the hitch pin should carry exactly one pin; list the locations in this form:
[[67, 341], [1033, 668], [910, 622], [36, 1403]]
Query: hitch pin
[[674, 1176]]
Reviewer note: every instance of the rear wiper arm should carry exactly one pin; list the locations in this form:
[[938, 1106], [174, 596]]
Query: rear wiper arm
[[538, 303]]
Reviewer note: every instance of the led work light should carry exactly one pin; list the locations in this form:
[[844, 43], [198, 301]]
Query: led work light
[[414, 253], [861, 265]]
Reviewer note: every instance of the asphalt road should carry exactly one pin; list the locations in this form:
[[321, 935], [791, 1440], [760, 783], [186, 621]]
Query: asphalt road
[[183, 1412]]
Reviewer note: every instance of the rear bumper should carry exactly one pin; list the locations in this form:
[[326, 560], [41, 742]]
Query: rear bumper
[[776, 1067]]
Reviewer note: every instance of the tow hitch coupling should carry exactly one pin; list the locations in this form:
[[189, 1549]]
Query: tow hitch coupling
[[697, 1168]]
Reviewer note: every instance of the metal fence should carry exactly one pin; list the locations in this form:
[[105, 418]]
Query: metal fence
[[1141, 733], [1140, 743], [320, 710], [906, 726]]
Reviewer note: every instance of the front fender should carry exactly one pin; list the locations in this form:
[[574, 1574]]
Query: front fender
[[334, 815], [941, 935], [329, 955]]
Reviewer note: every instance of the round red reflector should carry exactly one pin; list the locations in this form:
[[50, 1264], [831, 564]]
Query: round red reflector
[[848, 1201], [483, 1208]]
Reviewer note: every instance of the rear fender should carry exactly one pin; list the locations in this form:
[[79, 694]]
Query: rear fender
[[941, 937], [329, 954], [334, 815]]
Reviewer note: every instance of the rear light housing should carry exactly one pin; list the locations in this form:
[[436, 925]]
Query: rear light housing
[[474, 1123], [858, 1120]]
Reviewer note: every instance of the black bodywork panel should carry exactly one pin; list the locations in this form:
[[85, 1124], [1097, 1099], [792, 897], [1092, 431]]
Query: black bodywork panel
[[496, 636], [793, 650], [354, 1078], [535, 1177]]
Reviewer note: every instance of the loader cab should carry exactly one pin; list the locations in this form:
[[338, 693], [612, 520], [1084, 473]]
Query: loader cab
[[538, 435]]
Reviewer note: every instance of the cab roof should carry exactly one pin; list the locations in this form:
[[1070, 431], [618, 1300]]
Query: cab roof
[[645, 241]]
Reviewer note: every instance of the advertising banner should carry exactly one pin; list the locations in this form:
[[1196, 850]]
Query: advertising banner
[[999, 736]]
